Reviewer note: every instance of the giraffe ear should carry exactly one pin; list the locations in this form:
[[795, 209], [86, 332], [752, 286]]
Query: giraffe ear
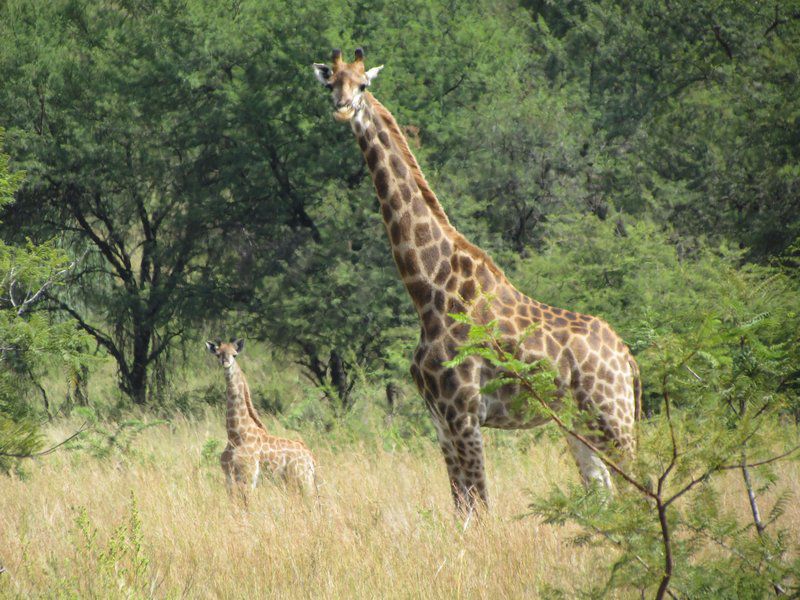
[[239, 345], [212, 347], [372, 74], [322, 73]]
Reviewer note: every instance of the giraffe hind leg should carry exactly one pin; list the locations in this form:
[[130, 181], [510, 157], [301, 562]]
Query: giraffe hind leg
[[594, 471], [299, 474]]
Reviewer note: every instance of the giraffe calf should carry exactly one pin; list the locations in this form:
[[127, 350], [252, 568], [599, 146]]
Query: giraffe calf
[[251, 451]]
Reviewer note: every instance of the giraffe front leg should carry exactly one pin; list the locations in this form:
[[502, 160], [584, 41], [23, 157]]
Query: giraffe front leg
[[244, 476], [462, 445], [453, 399], [453, 464], [468, 442], [226, 461]]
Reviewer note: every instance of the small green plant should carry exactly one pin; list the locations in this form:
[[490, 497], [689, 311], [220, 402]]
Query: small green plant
[[209, 455], [118, 567]]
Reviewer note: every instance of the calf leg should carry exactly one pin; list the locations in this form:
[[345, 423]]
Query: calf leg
[[226, 461]]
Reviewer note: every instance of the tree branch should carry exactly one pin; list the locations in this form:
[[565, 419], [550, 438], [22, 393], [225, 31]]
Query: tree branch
[[101, 338], [760, 462], [718, 34], [83, 428], [105, 248]]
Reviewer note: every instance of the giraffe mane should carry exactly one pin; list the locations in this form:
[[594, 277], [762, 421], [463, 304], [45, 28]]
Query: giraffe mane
[[459, 241], [251, 410]]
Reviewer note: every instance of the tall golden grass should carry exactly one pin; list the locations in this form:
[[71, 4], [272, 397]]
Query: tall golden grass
[[158, 523]]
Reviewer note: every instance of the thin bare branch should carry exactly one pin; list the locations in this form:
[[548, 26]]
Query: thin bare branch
[[759, 463], [52, 449]]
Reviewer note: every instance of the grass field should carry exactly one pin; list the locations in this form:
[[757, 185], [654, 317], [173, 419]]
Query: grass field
[[157, 522]]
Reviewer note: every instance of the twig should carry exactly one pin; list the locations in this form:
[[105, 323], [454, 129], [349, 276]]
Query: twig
[[688, 368], [766, 461], [83, 428]]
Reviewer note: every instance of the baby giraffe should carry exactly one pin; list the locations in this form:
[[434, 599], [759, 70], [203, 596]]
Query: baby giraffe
[[250, 448]]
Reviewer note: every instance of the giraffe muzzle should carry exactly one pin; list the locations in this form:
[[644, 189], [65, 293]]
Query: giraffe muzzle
[[344, 113]]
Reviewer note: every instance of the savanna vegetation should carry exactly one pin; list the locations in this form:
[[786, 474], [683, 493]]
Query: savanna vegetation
[[170, 173]]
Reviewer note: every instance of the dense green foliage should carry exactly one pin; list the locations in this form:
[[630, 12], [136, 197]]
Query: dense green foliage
[[184, 154]]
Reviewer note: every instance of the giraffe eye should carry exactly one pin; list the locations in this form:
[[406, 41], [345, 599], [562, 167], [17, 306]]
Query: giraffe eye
[[329, 86], [362, 87]]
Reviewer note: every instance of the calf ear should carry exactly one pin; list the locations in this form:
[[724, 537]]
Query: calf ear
[[239, 345], [212, 347], [322, 73]]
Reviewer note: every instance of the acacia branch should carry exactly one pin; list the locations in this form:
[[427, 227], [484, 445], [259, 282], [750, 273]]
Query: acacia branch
[[718, 34], [33, 298], [674, 458], [102, 213], [157, 350], [777, 21]]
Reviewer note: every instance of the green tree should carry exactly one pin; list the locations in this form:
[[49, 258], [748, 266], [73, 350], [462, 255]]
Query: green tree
[[183, 151], [666, 527], [30, 340], [322, 305], [157, 147], [696, 109]]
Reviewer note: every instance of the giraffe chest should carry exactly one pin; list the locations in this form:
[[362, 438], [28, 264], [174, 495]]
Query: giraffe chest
[[450, 392], [506, 407]]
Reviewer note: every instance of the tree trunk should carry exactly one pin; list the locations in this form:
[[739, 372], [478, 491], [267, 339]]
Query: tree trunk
[[339, 379], [136, 385], [391, 396]]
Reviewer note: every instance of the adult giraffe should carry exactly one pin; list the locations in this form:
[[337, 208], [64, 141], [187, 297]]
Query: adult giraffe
[[444, 274]]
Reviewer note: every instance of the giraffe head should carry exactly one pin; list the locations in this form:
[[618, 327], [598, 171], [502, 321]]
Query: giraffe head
[[347, 82], [226, 351]]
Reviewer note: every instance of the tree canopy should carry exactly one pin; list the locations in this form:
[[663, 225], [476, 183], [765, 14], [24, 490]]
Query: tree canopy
[[183, 156]]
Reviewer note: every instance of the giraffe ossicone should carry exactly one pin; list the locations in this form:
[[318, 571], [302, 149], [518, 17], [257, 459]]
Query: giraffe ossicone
[[250, 450], [445, 274]]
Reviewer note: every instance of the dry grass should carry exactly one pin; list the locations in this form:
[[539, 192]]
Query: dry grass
[[384, 528]]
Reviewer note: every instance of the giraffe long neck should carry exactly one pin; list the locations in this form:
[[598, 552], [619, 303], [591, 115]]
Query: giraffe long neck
[[436, 263], [240, 414]]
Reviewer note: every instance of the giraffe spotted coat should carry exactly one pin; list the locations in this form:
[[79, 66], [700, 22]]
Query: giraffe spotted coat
[[444, 273]]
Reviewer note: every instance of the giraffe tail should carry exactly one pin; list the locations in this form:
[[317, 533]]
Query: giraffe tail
[[637, 389]]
